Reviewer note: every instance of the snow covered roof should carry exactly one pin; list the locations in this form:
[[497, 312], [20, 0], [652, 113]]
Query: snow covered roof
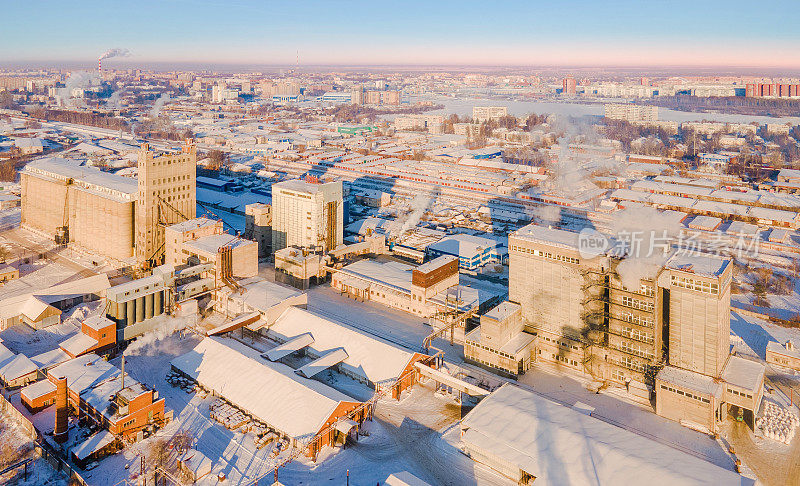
[[5, 355], [404, 478], [88, 178], [262, 294], [368, 356], [559, 445], [270, 391], [393, 274], [549, 236], [212, 243], [464, 246], [327, 360], [17, 367], [294, 344], [85, 372], [78, 344], [772, 346], [192, 224], [38, 389], [93, 444], [50, 358], [691, 380], [743, 372], [699, 264]]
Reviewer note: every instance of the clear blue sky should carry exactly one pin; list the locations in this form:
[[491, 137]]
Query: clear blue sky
[[532, 32]]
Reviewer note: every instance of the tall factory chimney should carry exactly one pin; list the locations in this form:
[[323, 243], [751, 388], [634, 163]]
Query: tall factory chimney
[[60, 432], [100, 65]]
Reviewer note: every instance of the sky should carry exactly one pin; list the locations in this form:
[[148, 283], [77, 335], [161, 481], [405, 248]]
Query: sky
[[408, 32]]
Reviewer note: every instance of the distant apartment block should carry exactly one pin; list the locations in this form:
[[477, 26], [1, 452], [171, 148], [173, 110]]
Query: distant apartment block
[[630, 112], [486, 113], [772, 90]]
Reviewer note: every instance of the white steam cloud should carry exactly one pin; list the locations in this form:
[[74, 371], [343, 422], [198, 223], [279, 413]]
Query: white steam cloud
[[116, 52], [647, 234], [418, 206], [160, 102], [156, 342], [77, 80]]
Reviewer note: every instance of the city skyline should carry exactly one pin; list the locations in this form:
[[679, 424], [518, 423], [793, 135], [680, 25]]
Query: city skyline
[[621, 33]]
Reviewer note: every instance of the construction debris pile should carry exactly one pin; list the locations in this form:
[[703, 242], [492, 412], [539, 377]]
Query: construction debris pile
[[777, 423]]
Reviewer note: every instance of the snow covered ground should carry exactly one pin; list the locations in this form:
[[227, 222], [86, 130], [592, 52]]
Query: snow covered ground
[[15, 446]]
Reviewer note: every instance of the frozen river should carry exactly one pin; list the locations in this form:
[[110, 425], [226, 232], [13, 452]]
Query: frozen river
[[463, 106]]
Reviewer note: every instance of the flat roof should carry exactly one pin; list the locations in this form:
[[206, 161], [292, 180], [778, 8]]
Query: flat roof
[[691, 380], [502, 310], [743, 373], [212, 243], [436, 263], [559, 445], [92, 178], [192, 224], [548, 236], [699, 264]]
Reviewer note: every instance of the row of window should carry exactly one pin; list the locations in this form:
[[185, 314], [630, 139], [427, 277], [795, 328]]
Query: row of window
[[644, 321], [637, 334], [544, 254], [638, 350], [491, 350], [636, 303], [698, 285], [685, 394], [740, 394], [564, 344]]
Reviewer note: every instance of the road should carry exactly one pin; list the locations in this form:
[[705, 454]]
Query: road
[[772, 466]]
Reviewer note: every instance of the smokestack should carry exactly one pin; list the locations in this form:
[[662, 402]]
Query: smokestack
[[123, 372], [100, 65], [60, 432]]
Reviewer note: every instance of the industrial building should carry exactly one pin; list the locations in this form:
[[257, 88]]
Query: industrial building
[[330, 344], [114, 216], [308, 412], [73, 202], [530, 439], [307, 215], [425, 290], [500, 343], [258, 226], [96, 390], [472, 251], [167, 188], [671, 332], [202, 241], [43, 308]]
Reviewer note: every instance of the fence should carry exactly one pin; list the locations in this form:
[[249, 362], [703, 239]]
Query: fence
[[41, 448]]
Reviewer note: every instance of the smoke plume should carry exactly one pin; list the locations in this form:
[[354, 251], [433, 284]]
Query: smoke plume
[[116, 52], [155, 341], [160, 102]]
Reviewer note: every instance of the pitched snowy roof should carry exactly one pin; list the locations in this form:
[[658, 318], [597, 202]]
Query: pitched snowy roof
[[376, 360], [93, 444], [270, 391], [17, 367], [330, 358], [562, 446], [78, 344]]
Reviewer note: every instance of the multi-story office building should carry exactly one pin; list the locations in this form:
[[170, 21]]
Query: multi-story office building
[[167, 195], [630, 112], [307, 215], [486, 113]]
